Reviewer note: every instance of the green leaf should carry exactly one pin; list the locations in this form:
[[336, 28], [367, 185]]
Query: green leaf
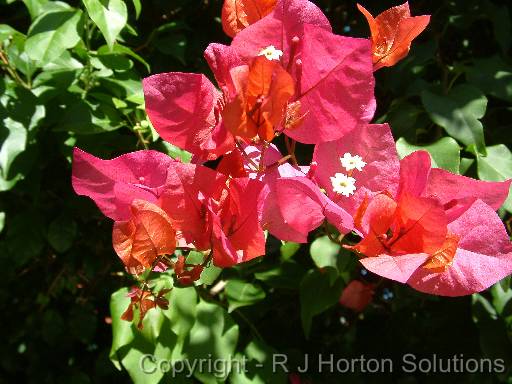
[[129, 345], [84, 117], [35, 7], [214, 336], [459, 113], [175, 152], [493, 76], [288, 249], [2, 221], [122, 331], [241, 293], [325, 253], [287, 275], [496, 166], [258, 366], [62, 233], [51, 34], [445, 153], [122, 50], [316, 296], [109, 15], [12, 146], [182, 313], [501, 299], [138, 8], [210, 274]]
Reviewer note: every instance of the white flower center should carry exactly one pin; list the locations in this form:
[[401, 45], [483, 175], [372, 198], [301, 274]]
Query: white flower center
[[343, 184], [350, 162], [271, 53]]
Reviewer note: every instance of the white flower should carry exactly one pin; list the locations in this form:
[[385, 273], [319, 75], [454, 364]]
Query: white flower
[[343, 184], [271, 53], [350, 162]]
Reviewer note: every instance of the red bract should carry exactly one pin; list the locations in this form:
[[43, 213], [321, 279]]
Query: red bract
[[144, 300], [373, 147], [206, 210], [185, 275], [237, 235], [392, 33], [441, 235], [285, 73], [147, 235], [357, 295], [238, 14]]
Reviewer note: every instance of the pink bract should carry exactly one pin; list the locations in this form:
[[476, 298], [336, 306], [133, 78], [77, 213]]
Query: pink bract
[[476, 252], [114, 184]]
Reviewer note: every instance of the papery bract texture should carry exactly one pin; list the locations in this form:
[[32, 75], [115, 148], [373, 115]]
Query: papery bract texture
[[183, 109], [375, 145], [114, 184], [238, 14], [336, 85], [483, 256], [237, 234], [148, 234], [392, 33], [279, 28], [436, 234], [188, 188]]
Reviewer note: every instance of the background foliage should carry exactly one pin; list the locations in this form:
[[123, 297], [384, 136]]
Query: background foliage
[[70, 76]]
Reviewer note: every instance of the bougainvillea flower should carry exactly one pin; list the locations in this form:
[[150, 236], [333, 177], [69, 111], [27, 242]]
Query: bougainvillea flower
[[147, 235], [238, 14], [152, 196], [184, 109], [332, 74], [237, 235], [357, 295], [455, 192], [287, 73], [441, 237], [114, 184], [261, 105], [367, 159], [392, 33]]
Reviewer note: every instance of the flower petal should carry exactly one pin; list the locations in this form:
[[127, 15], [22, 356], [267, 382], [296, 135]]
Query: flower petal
[[457, 193], [336, 85], [398, 268], [484, 256], [375, 144], [278, 28], [238, 14], [304, 207], [148, 234], [114, 184], [181, 107]]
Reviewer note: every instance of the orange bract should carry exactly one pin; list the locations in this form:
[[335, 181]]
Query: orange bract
[[261, 104], [238, 14], [443, 257], [148, 234], [392, 33]]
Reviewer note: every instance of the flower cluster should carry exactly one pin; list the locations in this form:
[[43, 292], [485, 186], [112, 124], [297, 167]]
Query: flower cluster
[[286, 74]]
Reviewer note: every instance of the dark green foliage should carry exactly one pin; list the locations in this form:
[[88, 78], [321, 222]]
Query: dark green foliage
[[70, 76]]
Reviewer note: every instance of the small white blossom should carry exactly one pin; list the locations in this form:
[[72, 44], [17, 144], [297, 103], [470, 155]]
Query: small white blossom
[[350, 162], [271, 53], [343, 184]]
